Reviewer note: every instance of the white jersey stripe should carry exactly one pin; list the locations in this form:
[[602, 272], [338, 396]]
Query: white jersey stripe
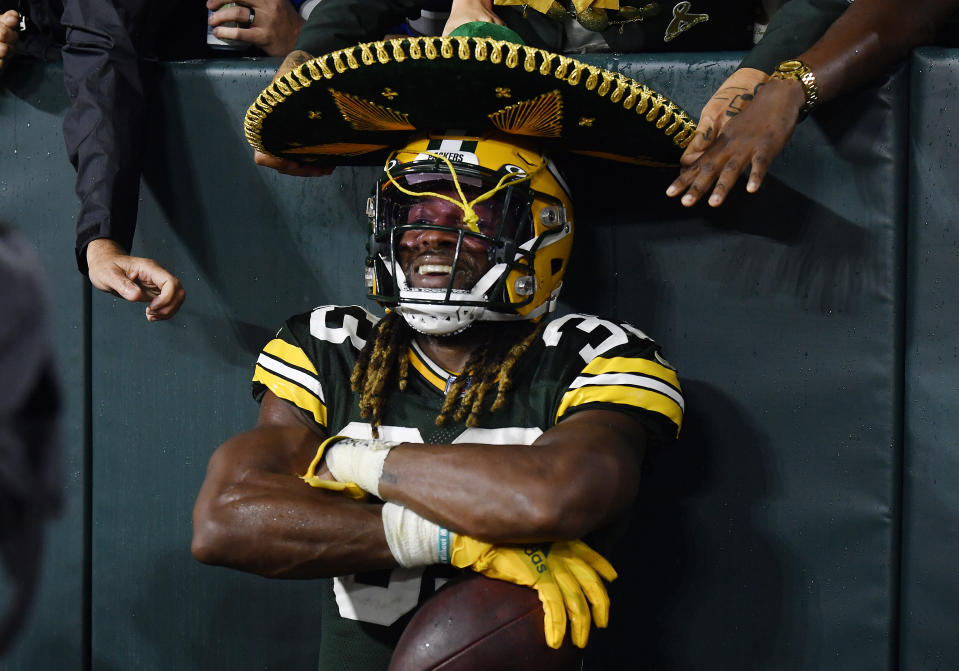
[[628, 379], [293, 374]]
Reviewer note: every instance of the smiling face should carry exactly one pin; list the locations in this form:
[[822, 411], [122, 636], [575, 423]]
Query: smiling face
[[426, 255]]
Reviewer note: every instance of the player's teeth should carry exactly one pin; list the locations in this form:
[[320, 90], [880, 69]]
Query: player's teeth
[[430, 269]]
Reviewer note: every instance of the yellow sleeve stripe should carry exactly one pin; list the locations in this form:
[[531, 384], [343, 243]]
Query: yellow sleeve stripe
[[638, 397], [621, 364], [293, 392], [291, 354]]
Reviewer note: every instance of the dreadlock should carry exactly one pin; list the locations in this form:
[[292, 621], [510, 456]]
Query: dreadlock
[[386, 356]]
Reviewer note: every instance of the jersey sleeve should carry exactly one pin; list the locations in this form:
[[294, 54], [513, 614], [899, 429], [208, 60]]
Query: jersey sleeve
[[616, 367], [285, 367]]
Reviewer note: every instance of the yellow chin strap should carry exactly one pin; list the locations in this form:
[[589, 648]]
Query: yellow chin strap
[[469, 215]]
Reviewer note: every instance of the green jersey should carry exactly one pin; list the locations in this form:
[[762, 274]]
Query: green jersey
[[578, 362]]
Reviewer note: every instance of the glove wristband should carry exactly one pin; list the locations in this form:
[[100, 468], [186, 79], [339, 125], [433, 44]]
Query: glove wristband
[[444, 544], [413, 540], [359, 460]]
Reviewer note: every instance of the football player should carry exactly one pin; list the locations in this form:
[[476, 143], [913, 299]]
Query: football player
[[455, 432]]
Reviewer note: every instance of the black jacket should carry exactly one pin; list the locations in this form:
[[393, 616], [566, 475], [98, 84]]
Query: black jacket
[[109, 51]]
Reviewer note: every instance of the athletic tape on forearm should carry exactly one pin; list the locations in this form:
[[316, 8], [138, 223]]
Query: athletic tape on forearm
[[359, 460], [414, 540]]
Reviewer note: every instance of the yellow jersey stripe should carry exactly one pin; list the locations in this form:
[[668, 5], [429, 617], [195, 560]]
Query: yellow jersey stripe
[[291, 354], [621, 364], [428, 374], [290, 391], [630, 380], [621, 395]]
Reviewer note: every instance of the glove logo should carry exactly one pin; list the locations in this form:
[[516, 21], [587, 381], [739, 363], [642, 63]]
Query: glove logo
[[537, 557]]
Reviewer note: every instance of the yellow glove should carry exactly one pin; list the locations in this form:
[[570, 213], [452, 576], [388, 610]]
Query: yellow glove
[[565, 574], [350, 489]]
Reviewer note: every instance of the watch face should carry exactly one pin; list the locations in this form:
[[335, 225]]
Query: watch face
[[790, 66]]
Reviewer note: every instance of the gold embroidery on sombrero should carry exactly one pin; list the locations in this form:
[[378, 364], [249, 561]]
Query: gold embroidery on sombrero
[[291, 81], [303, 79], [577, 72], [621, 85], [608, 79], [319, 69], [530, 117], [684, 136], [512, 55], [480, 51], [668, 109], [658, 102], [398, 54], [337, 149], [541, 116], [547, 65], [365, 115], [593, 78], [366, 55], [529, 63]]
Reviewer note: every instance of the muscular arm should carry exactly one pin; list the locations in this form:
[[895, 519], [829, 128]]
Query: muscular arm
[[253, 512], [570, 481]]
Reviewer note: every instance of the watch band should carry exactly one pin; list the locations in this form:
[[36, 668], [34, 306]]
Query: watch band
[[796, 69]]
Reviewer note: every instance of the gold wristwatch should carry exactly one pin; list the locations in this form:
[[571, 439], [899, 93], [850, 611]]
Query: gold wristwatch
[[795, 69]]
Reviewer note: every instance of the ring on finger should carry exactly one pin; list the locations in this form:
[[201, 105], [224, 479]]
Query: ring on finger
[[249, 23]]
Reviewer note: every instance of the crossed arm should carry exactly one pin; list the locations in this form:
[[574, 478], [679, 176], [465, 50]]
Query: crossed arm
[[255, 514]]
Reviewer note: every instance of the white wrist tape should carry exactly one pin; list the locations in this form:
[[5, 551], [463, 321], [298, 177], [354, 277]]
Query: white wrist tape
[[414, 540], [359, 460]]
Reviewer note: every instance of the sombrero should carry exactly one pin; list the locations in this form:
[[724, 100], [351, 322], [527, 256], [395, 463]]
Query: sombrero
[[352, 106]]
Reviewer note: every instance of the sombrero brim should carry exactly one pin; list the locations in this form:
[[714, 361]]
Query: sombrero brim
[[351, 107]]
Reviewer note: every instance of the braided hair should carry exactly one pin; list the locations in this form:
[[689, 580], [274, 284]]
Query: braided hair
[[385, 357]]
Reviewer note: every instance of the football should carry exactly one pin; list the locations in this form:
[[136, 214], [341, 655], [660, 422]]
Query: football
[[479, 623]]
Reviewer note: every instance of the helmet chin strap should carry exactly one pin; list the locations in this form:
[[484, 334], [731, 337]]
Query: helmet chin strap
[[441, 319]]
